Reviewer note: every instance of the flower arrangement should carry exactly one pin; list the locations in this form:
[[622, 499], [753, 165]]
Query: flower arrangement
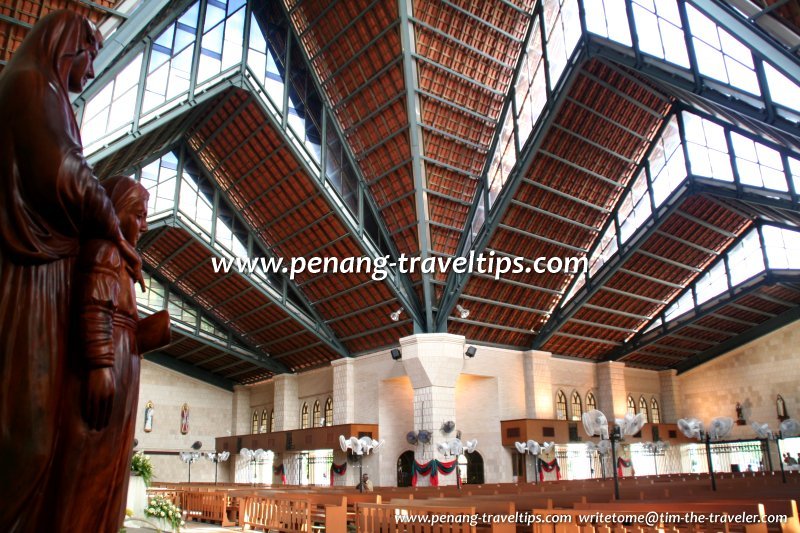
[[163, 509], [141, 466]]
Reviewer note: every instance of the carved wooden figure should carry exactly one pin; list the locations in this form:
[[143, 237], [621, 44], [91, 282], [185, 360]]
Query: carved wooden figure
[[49, 202], [100, 399]]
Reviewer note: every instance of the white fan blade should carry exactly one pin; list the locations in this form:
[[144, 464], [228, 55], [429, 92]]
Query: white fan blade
[[343, 443], [472, 445], [521, 448], [790, 428]]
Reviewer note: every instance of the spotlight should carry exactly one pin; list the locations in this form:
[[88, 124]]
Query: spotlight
[[395, 316], [471, 351], [396, 355], [463, 313]]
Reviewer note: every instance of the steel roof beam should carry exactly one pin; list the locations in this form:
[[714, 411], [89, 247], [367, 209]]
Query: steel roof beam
[[563, 194], [625, 251], [358, 53], [757, 41], [553, 215], [543, 239], [482, 22], [410, 77], [205, 376], [247, 354], [489, 325], [662, 71], [588, 339], [585, 170], [770, 325], [505, 305], [672, 237], [341, 32], [463, 44], [314, 326], [457, 107], [555, 98], [651, 278], [398, 282]]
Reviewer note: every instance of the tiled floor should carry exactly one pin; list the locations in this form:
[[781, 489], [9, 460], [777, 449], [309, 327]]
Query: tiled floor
[[194, 527]]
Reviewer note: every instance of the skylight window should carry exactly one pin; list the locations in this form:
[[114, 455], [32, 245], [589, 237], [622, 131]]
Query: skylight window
[[712, 283], [681, 306], [563, 28], [194, 205], [667, 164], [159, 178], [262, 63], [608, 18], [170, 64], [782, 90], [758, 165], [531, 88], [607, 248], [223, 37], [783, 247], [721, 56], [109, 113], [707, 147], [634, 208], [658, 26], [746, 260]]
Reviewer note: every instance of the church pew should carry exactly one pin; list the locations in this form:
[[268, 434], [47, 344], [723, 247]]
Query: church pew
[[384, 517], [207, 507]]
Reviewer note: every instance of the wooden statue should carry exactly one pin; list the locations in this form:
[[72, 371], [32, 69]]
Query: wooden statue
[[49, 203], [102, 386]]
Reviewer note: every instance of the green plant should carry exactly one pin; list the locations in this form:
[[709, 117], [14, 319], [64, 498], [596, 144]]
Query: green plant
[[160, 507], [141, 466]]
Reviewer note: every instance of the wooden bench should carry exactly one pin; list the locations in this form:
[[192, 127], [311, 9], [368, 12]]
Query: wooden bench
[[207, 507], [413, 518]]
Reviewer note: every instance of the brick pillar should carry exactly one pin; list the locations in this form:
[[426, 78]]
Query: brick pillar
[[287, 410], [611, 391], [538, 385], [670, 407], [433, 362], [344, 404]]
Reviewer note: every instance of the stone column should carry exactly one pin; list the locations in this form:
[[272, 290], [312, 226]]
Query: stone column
[[242, 413], [433, 362], [344, 402], [670, 406], [611, 391], [538, 384], [287, 410]]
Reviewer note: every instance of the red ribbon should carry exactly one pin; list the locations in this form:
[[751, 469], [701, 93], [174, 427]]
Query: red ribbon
[[544, 466], [339, 470]]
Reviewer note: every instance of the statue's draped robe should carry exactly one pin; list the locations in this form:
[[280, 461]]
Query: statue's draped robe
[[49, 200], [106, 305]]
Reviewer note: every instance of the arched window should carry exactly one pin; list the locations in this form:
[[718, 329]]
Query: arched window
[[329, 411], [577, 406], [643, 408], [272, 421], [655, 416], [263, 421], [631, 406], [304, 417], [591, 403], [561, 406], [254, 428], [317, 415]]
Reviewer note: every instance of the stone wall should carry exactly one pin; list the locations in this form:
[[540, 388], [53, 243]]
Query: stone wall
[[210, 416]]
